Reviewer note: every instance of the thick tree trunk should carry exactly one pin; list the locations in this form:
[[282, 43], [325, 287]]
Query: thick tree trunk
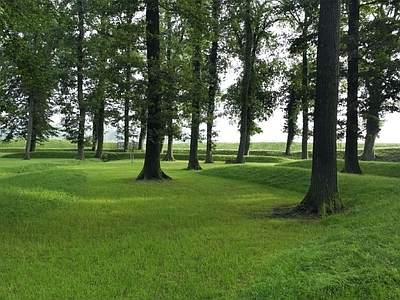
[[351, 164], [245, 85], [81, 103], [31, 108], [152, 167], [323, 195]]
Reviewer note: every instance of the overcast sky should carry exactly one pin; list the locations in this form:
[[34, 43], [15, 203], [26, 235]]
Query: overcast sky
[[272, 130]]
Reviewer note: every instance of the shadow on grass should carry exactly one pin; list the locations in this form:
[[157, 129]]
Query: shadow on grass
[[32, 193], [376, 168], [292, 179]]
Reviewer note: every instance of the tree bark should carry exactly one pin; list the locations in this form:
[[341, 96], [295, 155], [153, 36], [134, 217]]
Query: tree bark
[[245, 85], [323, 195], [95, 131], [152, 167], [304, 141], [127, 103], [143, 130], [351, 164], [291, 123], [373, 129], [213, 85], [81, 101], [169, 156], [31, 105], [100, 130], [33, 141], [197, 94]]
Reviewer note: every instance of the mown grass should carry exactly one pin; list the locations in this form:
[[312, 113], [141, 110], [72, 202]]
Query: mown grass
[[88, 230]]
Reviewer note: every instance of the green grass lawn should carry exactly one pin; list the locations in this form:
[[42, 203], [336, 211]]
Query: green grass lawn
[[88, 230]]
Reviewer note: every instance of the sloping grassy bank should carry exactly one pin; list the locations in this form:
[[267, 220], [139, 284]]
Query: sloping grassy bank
[[355, 256], [87, 230]]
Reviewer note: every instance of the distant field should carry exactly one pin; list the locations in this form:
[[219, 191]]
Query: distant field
[[272, 146]]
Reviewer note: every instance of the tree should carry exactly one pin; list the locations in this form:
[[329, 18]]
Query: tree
[[302, 16], [351, 164], [196, 91], [152, 167], [27, 67], [213, 79], [379, 68], [323, 195]]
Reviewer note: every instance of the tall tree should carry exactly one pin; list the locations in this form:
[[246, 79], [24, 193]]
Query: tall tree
[[27, 68], [80, 64], [323, 195], [152, 167], [247, 70], [213, 79], [351, 164], [379, 68], [197, 94]]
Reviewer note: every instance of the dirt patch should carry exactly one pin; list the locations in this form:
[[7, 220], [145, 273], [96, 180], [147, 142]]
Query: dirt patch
[[293, 212]]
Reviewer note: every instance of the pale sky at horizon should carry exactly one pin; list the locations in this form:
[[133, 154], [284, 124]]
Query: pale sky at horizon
[[273, 130]]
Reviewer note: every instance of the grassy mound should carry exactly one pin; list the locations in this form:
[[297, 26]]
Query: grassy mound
[[88, 230]]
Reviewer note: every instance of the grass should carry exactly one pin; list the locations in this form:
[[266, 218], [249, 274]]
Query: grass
[[87, 230]]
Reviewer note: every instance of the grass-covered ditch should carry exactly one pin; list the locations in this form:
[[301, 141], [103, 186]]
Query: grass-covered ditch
[[88, 230]]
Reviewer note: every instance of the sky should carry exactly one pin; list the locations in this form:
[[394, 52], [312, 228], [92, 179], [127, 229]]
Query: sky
[[272, 130]]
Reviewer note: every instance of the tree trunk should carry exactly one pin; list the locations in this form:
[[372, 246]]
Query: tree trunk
[[100, 130], [213, 73], [152, 167], [143, 130], [31, 105], [127, 103], [351, 164], [372, 132], [304, 141], [245, 85], [323, 195], [81, 103], [33, 141], [95, 130], [291, 123], [169, 156], [212, 91], [196, 98]]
